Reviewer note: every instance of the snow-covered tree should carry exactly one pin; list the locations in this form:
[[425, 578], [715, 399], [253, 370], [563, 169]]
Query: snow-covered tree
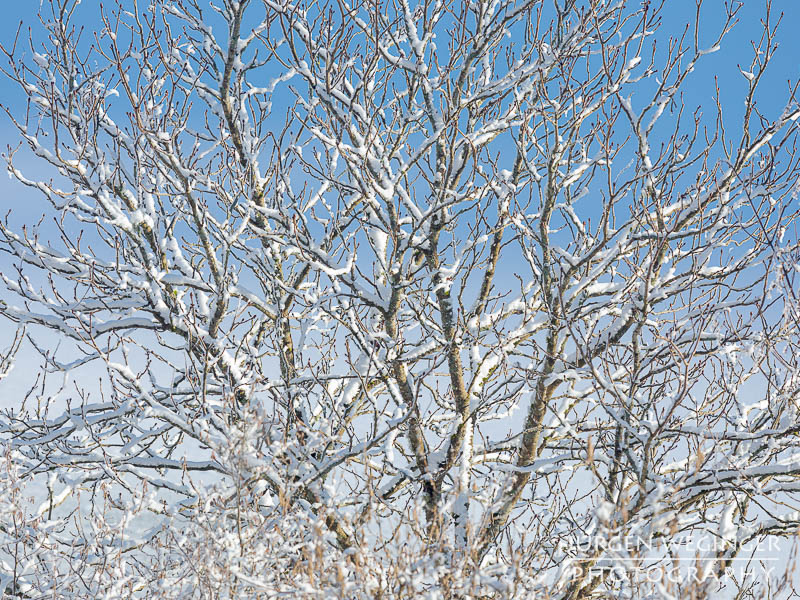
[[377, 299]]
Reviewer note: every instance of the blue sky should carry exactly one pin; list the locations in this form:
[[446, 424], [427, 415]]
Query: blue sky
[[27, 207], [737, 50], [677, 13], [724, 65]]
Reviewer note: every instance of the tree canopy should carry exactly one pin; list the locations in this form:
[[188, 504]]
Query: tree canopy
[[377, 299]]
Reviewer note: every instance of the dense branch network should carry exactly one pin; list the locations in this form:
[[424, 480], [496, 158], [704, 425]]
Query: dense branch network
[[394, 299]]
